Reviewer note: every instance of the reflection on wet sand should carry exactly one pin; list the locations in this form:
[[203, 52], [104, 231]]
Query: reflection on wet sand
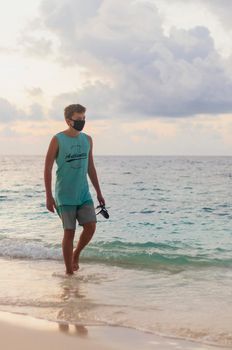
[[69, 316], [80, 330]]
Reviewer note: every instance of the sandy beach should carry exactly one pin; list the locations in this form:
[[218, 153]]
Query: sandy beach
[[25, 332]]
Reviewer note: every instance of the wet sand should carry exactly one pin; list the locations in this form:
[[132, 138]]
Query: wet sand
[[25, 332]]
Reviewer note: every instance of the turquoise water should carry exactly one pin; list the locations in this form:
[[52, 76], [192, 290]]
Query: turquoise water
[[166, 248]]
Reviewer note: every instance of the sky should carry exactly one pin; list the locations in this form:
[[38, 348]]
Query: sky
[[154, 75]]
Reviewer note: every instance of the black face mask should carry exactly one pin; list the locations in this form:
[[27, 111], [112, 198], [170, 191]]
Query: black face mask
[[78, 124]]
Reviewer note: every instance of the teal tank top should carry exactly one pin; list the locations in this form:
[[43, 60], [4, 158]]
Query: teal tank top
[[71, 186]]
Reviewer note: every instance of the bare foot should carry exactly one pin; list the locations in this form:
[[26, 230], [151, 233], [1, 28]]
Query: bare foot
[[69, 273], [75, 261], [75, 266]]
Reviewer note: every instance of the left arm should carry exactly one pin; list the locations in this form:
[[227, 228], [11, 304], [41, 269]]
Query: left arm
[[93, 174]]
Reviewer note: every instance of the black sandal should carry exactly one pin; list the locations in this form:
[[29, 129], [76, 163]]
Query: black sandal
[[103, 211]]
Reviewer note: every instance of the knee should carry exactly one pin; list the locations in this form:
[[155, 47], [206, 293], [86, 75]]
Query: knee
[[90, 227], [69, 234]]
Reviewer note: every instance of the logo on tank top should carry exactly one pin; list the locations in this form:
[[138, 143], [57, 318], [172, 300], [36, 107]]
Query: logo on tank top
[[75, 156]]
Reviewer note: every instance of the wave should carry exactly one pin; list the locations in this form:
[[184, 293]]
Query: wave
[[150, 255], [147, 255]]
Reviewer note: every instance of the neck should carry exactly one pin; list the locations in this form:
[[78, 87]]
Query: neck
[[73, 132]]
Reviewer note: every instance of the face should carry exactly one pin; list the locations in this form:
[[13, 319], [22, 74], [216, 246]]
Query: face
[[76, 116], [77, 121]]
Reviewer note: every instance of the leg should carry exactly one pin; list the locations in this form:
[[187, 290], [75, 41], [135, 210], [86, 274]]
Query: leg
[[85, 237], [67, 246]]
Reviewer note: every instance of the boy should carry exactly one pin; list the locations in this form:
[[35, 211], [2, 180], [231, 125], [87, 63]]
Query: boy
[[73, 151]]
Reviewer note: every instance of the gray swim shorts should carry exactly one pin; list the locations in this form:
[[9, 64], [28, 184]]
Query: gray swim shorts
[[69, 214]]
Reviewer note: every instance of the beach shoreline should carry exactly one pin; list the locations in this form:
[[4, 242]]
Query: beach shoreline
[[26, 332], [158, 277]]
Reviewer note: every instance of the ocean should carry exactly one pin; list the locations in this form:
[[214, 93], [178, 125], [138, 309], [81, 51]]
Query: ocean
[[161, 263]]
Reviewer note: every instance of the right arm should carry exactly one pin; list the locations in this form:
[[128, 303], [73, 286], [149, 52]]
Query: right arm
[[49, 161]]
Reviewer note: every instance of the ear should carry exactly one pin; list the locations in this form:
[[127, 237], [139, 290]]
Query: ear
[[68, 121]]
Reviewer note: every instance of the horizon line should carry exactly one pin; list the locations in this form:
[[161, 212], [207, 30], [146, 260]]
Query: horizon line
[[132, 155]]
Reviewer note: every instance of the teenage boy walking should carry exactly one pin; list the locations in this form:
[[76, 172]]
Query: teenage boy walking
[[73, 151]]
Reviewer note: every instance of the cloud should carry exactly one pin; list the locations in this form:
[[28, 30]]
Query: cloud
[[222, 10], [9, 113], [34, 91], [141, 71], [34, 40], [8, 132], [39, 47], [36, 112], [92, 96]]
